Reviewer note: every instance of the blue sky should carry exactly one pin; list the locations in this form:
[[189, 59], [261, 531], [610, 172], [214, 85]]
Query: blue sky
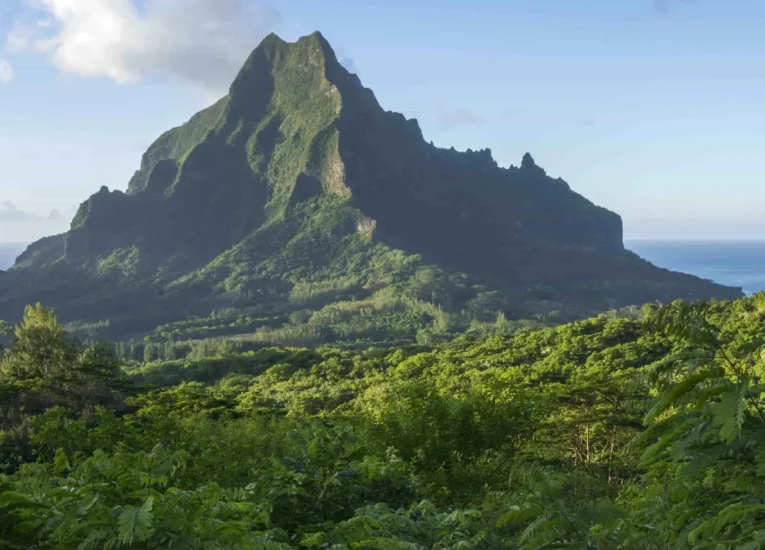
[[654, 110]]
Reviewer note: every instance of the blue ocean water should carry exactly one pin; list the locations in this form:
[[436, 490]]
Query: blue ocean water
[[732, 263]]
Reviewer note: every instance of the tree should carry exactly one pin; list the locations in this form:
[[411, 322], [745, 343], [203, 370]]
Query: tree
[[40, 347], [5, 329]]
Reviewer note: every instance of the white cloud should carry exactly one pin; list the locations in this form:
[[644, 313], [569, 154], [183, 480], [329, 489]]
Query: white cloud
[[349, 64], [10, 213], [460, 117], [20, 225], [200, 41], [346, 60], [19, 37], [6, 72]]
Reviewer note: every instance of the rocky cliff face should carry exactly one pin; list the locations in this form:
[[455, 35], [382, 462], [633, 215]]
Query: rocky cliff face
[[299, 174], [297, 125]]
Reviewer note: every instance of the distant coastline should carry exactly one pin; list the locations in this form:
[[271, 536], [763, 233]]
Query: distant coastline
[[739, 263]]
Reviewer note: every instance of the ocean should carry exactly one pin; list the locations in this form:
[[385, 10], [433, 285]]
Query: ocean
[[732, 263]]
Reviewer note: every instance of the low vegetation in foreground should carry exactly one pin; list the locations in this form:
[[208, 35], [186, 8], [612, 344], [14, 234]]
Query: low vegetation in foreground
[[613, 432]]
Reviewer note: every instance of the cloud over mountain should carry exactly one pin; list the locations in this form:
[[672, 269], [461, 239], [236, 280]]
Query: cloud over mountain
[[10, 213], [203, 42], [459, 117], [21, 225]]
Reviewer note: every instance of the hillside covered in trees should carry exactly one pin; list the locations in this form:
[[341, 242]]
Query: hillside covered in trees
[[297, 208], [640, 429]]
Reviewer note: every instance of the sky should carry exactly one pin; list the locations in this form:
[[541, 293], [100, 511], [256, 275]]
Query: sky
[[653, 109]]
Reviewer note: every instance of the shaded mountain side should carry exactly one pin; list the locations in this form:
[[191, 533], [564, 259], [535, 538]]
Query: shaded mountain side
[[298, 199]]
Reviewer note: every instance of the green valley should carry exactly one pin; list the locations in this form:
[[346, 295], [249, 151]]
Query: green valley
[[640, 430]]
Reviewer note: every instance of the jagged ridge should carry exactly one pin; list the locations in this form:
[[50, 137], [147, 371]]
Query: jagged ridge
[[299, 177]]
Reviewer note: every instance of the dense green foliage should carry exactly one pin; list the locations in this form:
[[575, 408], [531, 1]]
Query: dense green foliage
[[642, 431], [310, 215]]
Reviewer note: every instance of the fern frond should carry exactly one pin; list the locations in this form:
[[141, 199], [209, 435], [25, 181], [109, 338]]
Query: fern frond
[[729, 413], [675, 393], [520, 514]]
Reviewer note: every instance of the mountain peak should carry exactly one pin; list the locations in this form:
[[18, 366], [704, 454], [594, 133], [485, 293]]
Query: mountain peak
[[532, 169], [274, 55], [271, 38], [273, 43], [315, 36], [316, 39]]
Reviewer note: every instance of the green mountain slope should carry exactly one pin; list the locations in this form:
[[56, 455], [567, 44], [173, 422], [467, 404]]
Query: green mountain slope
[[297, 202]]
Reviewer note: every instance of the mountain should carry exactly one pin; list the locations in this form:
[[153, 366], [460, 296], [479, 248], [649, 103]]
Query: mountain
[[296, 205]]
